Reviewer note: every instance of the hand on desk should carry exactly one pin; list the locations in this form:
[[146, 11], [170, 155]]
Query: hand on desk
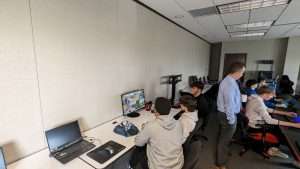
[[292, 114], [296, 125], [143, 125], [281, 105]]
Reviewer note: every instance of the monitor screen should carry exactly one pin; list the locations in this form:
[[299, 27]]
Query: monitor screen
[[2, 160], [133, 101], [64, 135]]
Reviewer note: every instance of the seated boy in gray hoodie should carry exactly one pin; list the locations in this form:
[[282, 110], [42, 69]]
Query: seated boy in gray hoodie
[[163, 137]]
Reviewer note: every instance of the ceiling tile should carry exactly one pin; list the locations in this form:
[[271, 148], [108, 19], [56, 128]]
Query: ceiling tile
[[279, 31], [235, 18], [220, 2], [214, 25], [266, 14], [191, 24], [194, 4], [166, 7], [291, 14], [294, 32]]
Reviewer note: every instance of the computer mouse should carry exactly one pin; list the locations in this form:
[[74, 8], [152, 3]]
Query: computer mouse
[[110, 150]]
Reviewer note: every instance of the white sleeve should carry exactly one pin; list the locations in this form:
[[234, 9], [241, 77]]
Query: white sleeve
[[143, 137], [187, 127], [261, 109]]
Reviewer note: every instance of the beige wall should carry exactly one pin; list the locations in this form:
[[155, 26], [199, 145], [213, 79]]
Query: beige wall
[[82, 55], [292, 62], [274, 49]]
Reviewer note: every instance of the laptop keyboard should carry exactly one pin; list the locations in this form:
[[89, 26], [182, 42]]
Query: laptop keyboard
[[74, 151]]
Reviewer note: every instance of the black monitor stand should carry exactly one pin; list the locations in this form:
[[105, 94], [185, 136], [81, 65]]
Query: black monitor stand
[[133, 114]]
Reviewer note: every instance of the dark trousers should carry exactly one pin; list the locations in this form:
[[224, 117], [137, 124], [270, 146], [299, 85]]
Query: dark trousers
[[226, 132], [139, 157]]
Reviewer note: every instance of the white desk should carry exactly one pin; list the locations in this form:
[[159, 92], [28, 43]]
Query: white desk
[[105, 133], [41, 160], [102, 133]]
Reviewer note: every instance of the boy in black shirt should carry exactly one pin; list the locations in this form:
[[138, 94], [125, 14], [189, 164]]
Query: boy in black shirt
[[202, 104]]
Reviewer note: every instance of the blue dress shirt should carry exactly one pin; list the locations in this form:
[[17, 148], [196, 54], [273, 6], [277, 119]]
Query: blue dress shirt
[[229, 99]]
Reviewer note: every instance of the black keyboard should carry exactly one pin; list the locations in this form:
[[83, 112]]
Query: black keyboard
[[74, 151]]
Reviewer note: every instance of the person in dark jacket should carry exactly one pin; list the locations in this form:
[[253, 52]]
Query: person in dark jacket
[[202, 104], [285, 85]]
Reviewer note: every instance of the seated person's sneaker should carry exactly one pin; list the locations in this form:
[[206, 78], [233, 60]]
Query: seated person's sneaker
[[275, 152]]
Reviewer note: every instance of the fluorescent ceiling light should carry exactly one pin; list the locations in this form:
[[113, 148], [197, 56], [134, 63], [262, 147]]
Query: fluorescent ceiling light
[[247, 35], [249, 4], [251, 25]]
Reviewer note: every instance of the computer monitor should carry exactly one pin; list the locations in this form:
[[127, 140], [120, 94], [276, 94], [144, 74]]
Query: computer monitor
[[2, 159], [63, 136], [132, 102]]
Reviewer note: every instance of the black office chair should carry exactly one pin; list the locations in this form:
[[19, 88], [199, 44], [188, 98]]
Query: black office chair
[[192, 147]]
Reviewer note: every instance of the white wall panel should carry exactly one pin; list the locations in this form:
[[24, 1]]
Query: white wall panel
[[89, 52], [20, 122]]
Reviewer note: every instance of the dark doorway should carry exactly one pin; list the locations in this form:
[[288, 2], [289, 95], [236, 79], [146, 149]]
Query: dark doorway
[[232, 58]]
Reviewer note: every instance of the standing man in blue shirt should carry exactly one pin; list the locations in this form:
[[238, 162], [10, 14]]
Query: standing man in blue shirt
[[229, 105]]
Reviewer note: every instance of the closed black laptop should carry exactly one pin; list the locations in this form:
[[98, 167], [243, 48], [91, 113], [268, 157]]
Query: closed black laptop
[[66, 143], [2, 159]]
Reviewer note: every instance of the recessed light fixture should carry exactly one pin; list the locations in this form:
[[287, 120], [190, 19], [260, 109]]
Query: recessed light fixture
[[247, 35], [179, 16], [249, 4], [251, 25]]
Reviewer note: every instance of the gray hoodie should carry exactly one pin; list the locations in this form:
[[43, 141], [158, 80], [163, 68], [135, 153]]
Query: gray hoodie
[[164, 139]]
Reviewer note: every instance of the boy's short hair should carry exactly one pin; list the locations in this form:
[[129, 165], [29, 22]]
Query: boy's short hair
[[251, 82], [236, 67], [265, 90], [198, 85], [188, 101], [162, 106]]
